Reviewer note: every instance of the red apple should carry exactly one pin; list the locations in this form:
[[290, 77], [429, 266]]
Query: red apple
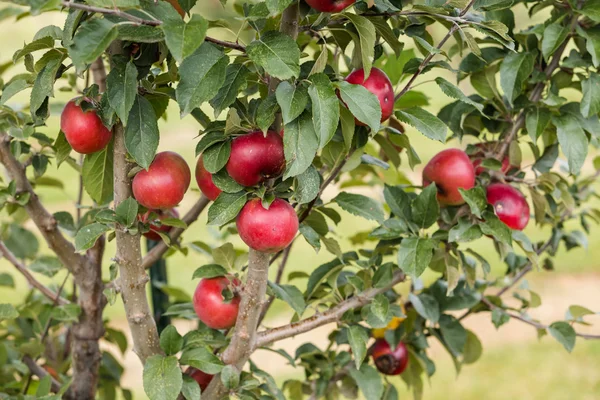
[[380, 85], [151, 234], [389, 362], [330, 6], [83, 129], [199, 376], [211, 307], [165, 182], [509, 204], [450, 169], [478, 157], [205, 181], [256, 157], [269, 230]]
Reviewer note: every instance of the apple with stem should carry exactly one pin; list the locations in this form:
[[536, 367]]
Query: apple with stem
[[210, 305], [450, 169], [84, 130], [255, 158], [154, 228], [510, 205]]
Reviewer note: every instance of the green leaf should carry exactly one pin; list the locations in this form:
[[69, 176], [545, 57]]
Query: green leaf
[[415, 254], [591, 9], [277, 53], [225, 255], [141, 133], [464, 231], [576, 312], [291, 295], [325, 109], [97, 172], [554, 36], [38, 44], [230, 376], [308, 185], [592, 45], [277, 6], [202, 75], [21, 242], [398, 201], [115, 3], [348, 126], [363, 104], [8, 311], [360, 205], [572, 140], [536, 122], [87, 236], [216, 156], [209, 271], [190, 388], [292, 100], [223, 181], [226, 207], [425, 208], [369, 381], [564, 333], [491, 5], [357, 337], [127, 211], [170, 340], [386, 32], [496, 228], [203, 359], [514, 71], [454, 334], [6, 280], [425, 122], [367, 35], [90, 41], [121, 89], [590, 104], [311, 236], [476, 199], [265, 114], [162, 378], [235, 81], [473, 349], [426, 305], [300, 144], [183, 38], [454, 92], [13, 88], [44, 83], [46, 265]]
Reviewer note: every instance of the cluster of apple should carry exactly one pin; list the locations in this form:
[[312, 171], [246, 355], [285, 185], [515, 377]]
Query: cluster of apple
[[452, 169], [387, 360]]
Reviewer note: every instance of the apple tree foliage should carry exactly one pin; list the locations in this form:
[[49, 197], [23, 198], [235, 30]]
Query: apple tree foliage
[[529, 88]]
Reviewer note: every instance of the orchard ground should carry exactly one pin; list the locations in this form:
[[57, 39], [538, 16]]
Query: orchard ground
[[514, 364]]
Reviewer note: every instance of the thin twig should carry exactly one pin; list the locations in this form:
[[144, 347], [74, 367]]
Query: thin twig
[[282, 265], [41, 373], [29, 277]]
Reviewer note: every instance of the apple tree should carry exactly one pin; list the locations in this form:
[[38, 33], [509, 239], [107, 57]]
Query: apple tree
[[304, 117]]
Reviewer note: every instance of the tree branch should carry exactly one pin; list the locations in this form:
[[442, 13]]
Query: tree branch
[[41, 373], [140, 21], [282, 264], [269, 336], [30, 278], [191, 216]]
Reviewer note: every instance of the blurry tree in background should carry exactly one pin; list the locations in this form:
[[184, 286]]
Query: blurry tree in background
[[319, 96]]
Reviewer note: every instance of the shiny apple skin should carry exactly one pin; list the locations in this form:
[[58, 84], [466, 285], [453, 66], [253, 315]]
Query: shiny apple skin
[[199, 376], [389, 362], [162, 214], [269, 230], [83, 129], [330, 6], [380, 85], [165, 182], [510, 205], [209, 305], [450, 169], [205, 181]]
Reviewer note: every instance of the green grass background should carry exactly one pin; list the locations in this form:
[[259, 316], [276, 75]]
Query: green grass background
[[523, 370]]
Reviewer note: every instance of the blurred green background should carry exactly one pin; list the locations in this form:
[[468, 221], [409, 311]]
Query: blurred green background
[[515, 365]]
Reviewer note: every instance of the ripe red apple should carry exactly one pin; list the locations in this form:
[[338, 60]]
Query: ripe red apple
[[509, 204], [199, 376], [163, 185], [83, 129], [330, 6], [389, 362], [269, 230], [160, 214], [450, 169], [210, 306], [479, 156], [256, 157], [205, 181], [380, 85]]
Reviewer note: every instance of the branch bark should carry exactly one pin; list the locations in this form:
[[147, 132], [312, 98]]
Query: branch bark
[[41, 373], [192, 215], [269, 336], [30, 278]]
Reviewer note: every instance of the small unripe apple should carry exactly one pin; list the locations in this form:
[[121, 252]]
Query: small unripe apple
[[479, 156], [450, 169], [380, 85], [199, 376], [509, 204], [210, 306], [83, 129], [256, 157], [165, 182], [269, 230], [160, 214], [389, 362], [379, 333], [205, 181], [330, 6]]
